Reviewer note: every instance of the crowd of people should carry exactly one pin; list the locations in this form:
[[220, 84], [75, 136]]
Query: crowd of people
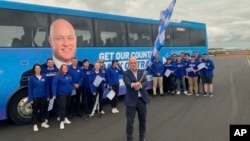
[[191, 75]]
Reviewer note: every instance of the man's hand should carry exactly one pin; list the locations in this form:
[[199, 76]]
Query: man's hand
[[76, 86], [137, 85]]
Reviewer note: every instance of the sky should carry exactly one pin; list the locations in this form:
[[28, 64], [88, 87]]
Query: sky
[[227, 21]]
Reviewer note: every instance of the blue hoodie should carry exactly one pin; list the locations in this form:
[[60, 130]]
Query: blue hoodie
[[62, 84], [113, 75], [50, 73], [194, 65], [210, 67], [37, 88], [157, 67], [180, 70], [170, 67], [92, 77], [76, 74], [86, 73]]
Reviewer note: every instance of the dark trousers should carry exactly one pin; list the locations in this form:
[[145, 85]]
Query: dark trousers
[[114, 101], [87, 99], [39, 109], [202, 84], [75, 102], [63, 103], [130, 114], [99, 93], [169, 83]]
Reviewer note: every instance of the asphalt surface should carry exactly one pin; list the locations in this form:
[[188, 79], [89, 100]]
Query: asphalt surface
[[170, 118]]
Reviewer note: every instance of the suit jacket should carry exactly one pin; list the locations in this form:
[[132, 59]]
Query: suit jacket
[[131, 96]]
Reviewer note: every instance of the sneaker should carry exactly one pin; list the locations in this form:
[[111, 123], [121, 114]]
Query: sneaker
[[197, 94], [113, 110], [45, 125], [62, 125], [102, 112], [185, 92], [178, 92], [205, 94], [116, 110], [66, 121], [58, 118], [46, 121], [35, 128], [189, 94], [211, 95]]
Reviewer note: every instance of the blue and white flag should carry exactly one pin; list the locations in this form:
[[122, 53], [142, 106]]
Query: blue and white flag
[[164, 21]]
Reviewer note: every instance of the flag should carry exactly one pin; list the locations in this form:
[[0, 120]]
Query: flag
[[165, 16]]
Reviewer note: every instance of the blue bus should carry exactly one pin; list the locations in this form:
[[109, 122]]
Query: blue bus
[[24, 30]]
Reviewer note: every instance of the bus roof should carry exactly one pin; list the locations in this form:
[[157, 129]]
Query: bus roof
[[74, 12]]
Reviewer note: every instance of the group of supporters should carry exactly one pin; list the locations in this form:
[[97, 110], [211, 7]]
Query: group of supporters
[[80, 87], [191, 75], [71, 88]]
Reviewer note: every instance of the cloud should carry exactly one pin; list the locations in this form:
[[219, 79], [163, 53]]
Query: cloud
[[227, 20]]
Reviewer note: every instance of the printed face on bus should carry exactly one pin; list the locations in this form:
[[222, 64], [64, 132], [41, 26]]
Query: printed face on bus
[[133, 63], [62, 40]]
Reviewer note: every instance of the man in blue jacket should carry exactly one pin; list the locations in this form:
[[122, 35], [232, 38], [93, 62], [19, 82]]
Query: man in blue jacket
[[180, 76], [208, 73], [157, 69], [77, 76]]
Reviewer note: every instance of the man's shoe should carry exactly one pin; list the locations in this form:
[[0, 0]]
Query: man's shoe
[[62, 125], [102, 112], [44, 125], [210, 95], [178, 92], [116, 110], [66, 121], [113, 110], [35, 128], [79, 114], [185, 92]]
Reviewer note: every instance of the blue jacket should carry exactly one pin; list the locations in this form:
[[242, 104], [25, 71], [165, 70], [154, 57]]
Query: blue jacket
[[180, 70], [50, 75], [86, 73], [209, 72], [113, 75], [170, 67], [37, 88], [76, 74], [157, 67], [62, 84], [92, 77], [194, 65]]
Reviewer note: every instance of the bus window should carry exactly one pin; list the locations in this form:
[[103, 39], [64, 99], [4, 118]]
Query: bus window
[[169, 41], [21, 28], [197, 37], [110, 33], [181, 36], [139, 34], [83, 29]]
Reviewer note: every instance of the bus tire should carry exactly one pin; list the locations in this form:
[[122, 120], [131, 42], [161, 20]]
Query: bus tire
[[20, 110]]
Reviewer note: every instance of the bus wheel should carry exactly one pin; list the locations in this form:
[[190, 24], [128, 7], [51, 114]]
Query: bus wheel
[[20, 110]]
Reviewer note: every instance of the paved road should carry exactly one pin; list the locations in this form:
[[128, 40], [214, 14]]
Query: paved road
[[170, 118]]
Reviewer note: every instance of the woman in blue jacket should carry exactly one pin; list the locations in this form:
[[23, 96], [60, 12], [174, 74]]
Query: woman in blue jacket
[[96, 82], [38, 93], [113, 73], [62, 87]]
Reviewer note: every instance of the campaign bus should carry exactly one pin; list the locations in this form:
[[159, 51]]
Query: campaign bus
[[24, 30]]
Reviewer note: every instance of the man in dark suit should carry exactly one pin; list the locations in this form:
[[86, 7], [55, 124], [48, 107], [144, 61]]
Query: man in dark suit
[[136, 99]]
